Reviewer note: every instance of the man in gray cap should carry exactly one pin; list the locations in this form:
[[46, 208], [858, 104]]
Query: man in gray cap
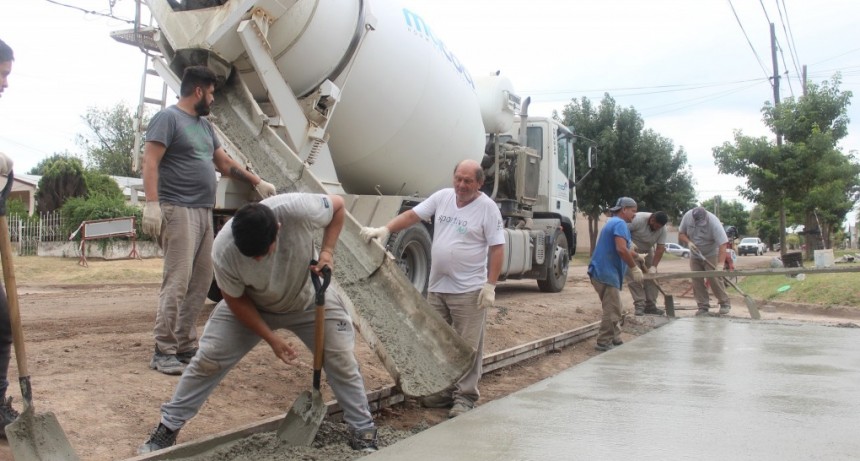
[[612, 257], [704, 235]]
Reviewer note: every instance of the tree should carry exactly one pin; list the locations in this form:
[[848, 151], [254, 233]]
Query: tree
[[807, 173], [63, 178], [100, 184], [43, 164], [631, 162], [109, 143], [730, 213]]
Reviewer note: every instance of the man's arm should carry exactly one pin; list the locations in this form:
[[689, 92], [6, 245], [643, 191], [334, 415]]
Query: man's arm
[[229, 167], [244, 310], [623, 252], [495, 256], [153, 152], [397, 224], [331, 232], [721, 257], [658, 254]]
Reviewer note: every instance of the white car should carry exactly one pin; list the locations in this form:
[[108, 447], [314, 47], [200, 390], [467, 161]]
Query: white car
[[677, 250], [751, 246]]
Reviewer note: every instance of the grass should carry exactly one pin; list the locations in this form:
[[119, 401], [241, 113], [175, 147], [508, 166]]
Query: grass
[[38, 270]]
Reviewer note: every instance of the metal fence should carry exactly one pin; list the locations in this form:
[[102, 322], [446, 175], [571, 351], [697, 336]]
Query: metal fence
[[29, 231]]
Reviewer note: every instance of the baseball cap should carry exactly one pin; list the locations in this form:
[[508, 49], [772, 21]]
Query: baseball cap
[[700, 215], [623, 202]]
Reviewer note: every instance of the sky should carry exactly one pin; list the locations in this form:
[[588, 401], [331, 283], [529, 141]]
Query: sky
[[694, 70]]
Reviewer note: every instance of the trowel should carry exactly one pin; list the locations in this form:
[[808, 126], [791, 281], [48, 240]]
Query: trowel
[[300, 425]]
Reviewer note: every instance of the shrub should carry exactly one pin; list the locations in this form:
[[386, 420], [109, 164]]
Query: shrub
[[77, 209]]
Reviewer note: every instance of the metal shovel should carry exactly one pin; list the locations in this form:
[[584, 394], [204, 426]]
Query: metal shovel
[[752, 307], [300, 426], [31, 437]]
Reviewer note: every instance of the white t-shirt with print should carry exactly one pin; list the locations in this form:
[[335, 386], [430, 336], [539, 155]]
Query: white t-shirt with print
[[461, 237]]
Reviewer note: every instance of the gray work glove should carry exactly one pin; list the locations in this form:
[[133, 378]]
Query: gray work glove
[[5, 164], [637, 274], [692, 246], [152, 219], [487, 296], [265, 189], [381, 233]]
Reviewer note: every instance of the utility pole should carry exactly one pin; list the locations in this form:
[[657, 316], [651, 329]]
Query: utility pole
[[804, 79], [782, 241]]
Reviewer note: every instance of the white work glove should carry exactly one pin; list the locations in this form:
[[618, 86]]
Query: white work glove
[[152, 219], [487, 296], [637, 274], [640, 258], [692, 246], [380, 233], [652, 270], [265, 189], [5, 164]]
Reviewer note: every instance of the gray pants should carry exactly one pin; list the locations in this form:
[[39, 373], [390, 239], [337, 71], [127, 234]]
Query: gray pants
[[645, 293], [225, 341], [461, 311], [610, 300], [701, 291], [186, 238]]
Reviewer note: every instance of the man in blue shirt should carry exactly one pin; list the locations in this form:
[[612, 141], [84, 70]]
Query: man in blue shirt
[[612, 256]]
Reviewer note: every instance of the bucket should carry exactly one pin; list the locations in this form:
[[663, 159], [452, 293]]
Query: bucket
[[824, 258]]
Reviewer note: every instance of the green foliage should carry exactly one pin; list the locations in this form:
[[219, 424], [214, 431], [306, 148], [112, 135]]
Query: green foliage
[[63, 178], [99, 184], [826, 289], [43, 164], [79, 209], [16, 206], [109, 143], [731, 213]]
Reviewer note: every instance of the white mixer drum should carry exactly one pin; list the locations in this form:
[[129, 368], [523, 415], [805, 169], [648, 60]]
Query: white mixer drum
[[408, 111]]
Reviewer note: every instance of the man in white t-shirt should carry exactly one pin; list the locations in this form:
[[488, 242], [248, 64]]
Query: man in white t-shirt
[[649, 239], [468, 246]]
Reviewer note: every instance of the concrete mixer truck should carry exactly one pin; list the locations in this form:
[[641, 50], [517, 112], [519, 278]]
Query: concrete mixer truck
[[376, 107]]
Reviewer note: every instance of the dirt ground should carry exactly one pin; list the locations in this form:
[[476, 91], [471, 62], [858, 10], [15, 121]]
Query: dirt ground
[[89, 348]]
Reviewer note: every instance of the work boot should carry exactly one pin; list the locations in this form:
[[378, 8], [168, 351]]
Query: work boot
[[438, 400], [603, 347], [702, 311], [7, 414], [617, 342], [725, 308], [364, 440], [653, 311], [639, 311], [460, 406], [166, 363], [185, 357], [160, 438]]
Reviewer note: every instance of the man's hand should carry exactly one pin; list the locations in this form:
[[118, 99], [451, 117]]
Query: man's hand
[[637, 274], [265, 189], [652, 270], [487, 296], [692, 246], [5, 164], [152, 219], [284, 350], [640, 259], [380, 233]]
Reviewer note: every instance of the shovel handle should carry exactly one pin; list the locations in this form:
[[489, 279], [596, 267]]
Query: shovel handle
[[319, 320]]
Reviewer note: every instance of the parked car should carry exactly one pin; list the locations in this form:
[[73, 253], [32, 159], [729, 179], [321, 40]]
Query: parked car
[[677, 250], [751, 246]]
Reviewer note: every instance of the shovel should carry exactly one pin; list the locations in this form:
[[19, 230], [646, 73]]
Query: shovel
[[752, 307], [31, 437], [300, 426]]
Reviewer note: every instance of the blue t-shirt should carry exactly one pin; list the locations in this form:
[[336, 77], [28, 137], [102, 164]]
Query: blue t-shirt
[[606, 266]]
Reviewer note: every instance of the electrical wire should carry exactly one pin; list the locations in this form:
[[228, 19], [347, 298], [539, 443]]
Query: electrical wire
[[789, 36], [95, 13], [748, 40]]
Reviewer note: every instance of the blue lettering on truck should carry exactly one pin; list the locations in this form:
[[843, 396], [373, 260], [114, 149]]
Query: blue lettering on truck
[[417, 24]]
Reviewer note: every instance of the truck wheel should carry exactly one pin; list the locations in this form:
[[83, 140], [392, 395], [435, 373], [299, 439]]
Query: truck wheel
[[557, 274], [411, 250], [214, 292]]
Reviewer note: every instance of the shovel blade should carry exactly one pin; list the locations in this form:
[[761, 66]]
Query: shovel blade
[[300, 425], [38, 438], [669, 304]]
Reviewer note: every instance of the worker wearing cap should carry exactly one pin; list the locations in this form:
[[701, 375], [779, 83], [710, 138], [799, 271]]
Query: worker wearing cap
[[706, 238], [612, 257], [649, 240]]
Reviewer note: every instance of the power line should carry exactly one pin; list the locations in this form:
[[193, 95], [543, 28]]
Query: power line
[[95, 13], [789, 35], [748, 40]]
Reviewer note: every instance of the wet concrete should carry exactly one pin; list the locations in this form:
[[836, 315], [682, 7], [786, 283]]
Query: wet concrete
[[697, 388]]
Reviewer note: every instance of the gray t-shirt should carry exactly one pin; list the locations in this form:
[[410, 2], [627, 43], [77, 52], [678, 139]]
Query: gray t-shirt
[[707, 235], [642, 235], [279, 282], [186, 174]]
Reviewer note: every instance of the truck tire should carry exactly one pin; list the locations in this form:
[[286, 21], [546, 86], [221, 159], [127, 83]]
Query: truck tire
[[411, 250], [214, 294], [557, 273]]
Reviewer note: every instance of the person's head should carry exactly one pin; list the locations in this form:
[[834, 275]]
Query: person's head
[[255, 230], [625, 208], [6, 58], [198, 88], [700, 216], [657, 220], [468, 179]]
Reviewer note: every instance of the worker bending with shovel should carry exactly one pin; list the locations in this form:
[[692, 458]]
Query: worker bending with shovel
[[649, 240], [704, 235], [261, 259]]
